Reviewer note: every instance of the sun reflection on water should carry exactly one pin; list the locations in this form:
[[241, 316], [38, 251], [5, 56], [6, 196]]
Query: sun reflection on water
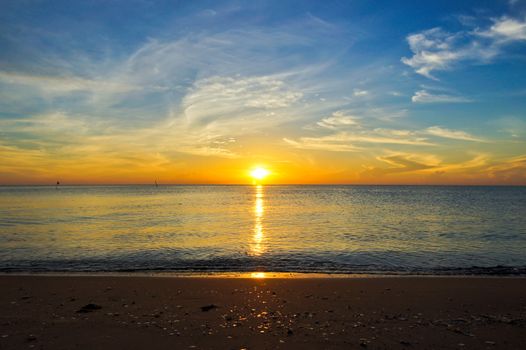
[[257, 247], [258, 275]]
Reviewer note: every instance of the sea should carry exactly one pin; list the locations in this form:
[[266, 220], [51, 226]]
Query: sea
[[423, 230]]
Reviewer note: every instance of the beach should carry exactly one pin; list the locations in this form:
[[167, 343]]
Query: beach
[[137, 312]]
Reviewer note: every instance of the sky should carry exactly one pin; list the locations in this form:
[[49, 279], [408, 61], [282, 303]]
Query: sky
[[346, 92]]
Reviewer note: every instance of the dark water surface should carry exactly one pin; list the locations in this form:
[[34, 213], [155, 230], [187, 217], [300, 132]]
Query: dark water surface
[[346, 229]]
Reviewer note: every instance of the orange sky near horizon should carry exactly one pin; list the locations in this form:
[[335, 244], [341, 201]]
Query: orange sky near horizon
[[313, 168]]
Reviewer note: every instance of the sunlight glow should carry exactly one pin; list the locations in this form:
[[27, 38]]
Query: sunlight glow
[[259, 173], [258, 275]]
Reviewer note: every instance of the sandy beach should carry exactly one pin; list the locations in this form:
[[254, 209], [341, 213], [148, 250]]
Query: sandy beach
[[101, 312]]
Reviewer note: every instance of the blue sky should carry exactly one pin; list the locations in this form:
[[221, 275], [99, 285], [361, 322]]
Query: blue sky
[[346, 91]]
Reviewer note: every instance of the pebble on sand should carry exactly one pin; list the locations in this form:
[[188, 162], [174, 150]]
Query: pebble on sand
[[89, 308], [208, 307]]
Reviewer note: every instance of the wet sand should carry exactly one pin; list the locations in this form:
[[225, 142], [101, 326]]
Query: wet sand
[[96, 312]]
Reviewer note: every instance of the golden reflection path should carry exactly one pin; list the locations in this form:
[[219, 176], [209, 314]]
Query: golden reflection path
[[258, 238]]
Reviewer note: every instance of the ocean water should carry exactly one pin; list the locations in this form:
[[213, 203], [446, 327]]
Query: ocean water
[[324, 229]]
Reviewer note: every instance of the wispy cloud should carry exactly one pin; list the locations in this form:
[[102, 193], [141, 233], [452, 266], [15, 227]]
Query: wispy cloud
[[428, 167], [424, 96], [338, 119], [512, 125], [400, 163], [438, 50], [182, 95], [407, 163], [332, 143], [238, 102], [452, 134], [346, 141], [395, 132], [349, 135], [511, 170], [478, 161], [360, 93], [66, 84]]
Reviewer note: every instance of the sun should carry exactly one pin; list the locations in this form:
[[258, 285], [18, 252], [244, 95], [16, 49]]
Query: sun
[[259, 173]]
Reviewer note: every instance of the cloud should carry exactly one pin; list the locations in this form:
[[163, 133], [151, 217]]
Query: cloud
[[400, 163], [510, 171], [385, 114], [452, 134], [232, 106], [479, 161], [360, 93], [182, 95], [338, 119], [505, 29], [177, 95], [264, 92], [332, 143], [429, 167], [394, 132], [149, 82], [438, 50], [423, 96], [433, 50], [345, 141], [60, 85], [512, 125], [406, 162], [58, 135], [208, 13]]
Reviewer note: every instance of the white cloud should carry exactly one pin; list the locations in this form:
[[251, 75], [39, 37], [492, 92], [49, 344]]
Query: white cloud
[[360, 93], [332, 143], [238, 104], [451, 134], [208, 13], [338, 119], [57, 85], [433, 50], [394, 132], [381, 138], [423, 96], [345, 141], [506, 29], [438, 50]]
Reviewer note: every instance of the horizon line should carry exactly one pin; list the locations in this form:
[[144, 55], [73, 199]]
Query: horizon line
[[263, 184]]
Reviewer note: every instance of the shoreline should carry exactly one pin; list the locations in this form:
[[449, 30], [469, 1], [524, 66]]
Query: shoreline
[[166, 312], [253, 275]]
